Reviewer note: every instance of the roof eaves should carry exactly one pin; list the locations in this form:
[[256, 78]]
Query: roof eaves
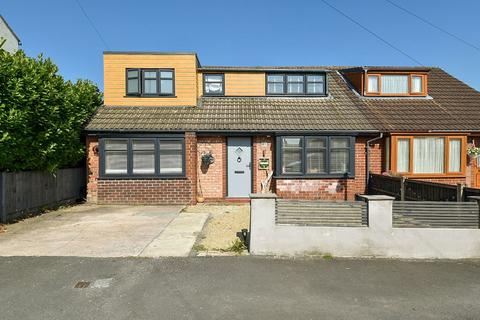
[[269, 69]]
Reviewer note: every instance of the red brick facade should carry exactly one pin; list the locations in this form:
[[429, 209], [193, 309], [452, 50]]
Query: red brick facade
[[334, 189], [262, 147], [211, 181]]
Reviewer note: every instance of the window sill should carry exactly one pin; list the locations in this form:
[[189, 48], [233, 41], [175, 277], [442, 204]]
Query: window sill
[[142, 177], [325, 176]]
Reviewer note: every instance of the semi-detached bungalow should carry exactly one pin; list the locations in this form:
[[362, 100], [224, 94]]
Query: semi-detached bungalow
[[172, 129]]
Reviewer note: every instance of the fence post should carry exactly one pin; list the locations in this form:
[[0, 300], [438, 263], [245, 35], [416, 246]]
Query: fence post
[[460, 190], [402, 189], [262, 222]]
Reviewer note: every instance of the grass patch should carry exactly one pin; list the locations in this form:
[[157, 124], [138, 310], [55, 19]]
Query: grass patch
[[237, 246], [199, 247], [327, 256]]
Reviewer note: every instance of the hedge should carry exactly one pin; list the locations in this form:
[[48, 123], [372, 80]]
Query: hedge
[[41, 114]]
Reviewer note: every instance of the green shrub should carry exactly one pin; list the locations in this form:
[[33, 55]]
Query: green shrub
[[236, 246], [41, 114]]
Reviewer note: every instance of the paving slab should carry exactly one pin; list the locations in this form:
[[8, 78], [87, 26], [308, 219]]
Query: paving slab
[[104, 231], [178, 238]]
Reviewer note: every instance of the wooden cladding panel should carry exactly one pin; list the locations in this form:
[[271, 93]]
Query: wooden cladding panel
[[185, 79], [356, 78], [240, 84]]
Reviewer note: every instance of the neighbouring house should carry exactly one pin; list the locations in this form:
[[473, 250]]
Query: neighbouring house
[[8, 39], [172, 129]]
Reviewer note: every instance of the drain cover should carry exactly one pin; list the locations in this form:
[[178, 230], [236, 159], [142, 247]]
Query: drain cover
[[82, 284]]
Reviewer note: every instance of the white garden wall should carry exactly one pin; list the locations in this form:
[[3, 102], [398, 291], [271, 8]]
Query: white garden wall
[[379, 239]]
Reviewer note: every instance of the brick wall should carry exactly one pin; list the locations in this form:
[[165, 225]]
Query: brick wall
[[333, 189], [92, 169], [143, 191], [212, 179], [263, 147]]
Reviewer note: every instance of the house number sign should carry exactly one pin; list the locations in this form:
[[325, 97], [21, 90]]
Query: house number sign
[[263, 163]]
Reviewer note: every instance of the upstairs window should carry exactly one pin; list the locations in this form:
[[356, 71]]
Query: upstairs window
[[396, 84], [296, 84], [150, 82], [275, 84], [133, 82], [214, 84]]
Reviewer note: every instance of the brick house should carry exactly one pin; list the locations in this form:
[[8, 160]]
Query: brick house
[[172, 129]]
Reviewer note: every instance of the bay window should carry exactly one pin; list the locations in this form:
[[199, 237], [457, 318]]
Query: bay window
[[142, 157], [322, 156], [429, 155]]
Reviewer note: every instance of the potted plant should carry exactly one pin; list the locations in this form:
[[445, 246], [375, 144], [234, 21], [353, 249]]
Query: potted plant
[[473, 151]]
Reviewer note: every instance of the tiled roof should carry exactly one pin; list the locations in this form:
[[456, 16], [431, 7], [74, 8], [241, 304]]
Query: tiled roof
[[451, 106]]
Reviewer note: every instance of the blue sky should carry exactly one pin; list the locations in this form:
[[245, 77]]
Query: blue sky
[[247, 32]]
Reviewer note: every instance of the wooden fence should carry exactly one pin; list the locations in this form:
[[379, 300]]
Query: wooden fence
[[26, 192], [416, 190]]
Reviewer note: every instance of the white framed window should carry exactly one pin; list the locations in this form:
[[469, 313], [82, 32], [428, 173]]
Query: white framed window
[[214, 84]]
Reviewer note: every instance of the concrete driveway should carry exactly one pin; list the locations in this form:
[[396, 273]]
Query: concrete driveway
[[105, 231]]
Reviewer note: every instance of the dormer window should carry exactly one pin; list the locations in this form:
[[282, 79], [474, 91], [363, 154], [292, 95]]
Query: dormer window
[[150, 82], [395, 84], [214, 84], [296, 84]]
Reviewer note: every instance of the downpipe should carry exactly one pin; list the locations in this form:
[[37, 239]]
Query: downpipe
[[367, 158]]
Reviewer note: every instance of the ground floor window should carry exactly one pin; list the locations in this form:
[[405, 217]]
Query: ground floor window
[[315, 156], [429, 155], [142, 156]]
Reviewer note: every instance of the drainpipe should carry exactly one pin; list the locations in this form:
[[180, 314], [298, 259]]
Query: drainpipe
[[367, 158]]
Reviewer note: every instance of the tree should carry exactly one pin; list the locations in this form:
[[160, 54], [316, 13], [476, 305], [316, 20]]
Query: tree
[[41, 114]]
